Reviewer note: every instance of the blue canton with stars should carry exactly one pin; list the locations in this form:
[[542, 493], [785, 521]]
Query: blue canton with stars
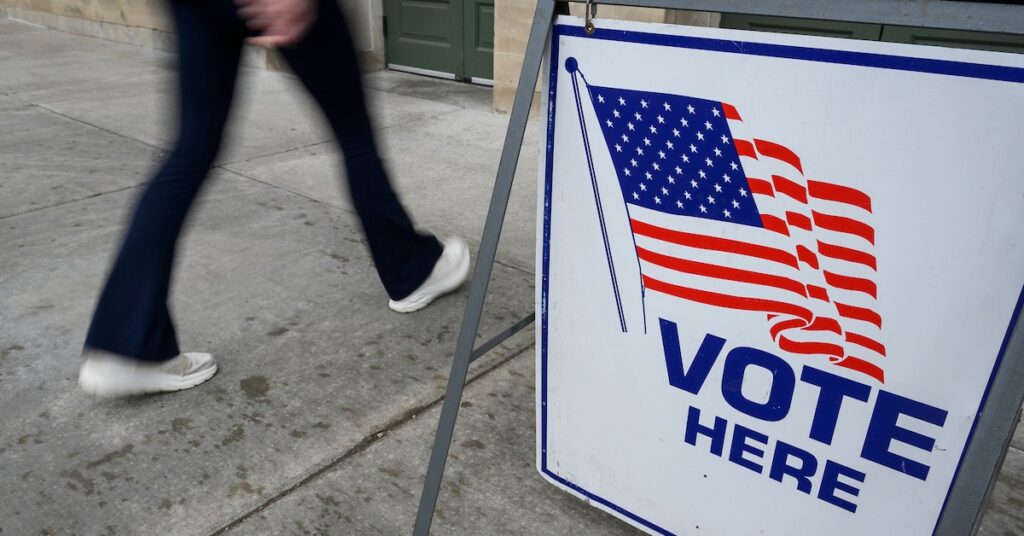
[[675, 154]]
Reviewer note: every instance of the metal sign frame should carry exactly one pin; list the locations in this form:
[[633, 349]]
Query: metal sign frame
[[993, 428]]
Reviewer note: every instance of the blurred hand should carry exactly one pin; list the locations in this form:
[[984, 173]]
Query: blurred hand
[[281, 23]]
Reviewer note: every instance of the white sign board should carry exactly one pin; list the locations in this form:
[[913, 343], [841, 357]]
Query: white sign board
[[776, 274]]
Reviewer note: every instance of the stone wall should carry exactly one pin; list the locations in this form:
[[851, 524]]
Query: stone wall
[[133, 13], [146, 23], [513, 19], [137, 22]]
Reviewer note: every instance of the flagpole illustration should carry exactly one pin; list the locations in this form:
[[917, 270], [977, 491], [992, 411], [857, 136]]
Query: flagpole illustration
[[573, 67]]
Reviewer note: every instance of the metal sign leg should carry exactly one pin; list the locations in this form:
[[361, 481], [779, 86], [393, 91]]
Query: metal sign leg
[[534, 56]]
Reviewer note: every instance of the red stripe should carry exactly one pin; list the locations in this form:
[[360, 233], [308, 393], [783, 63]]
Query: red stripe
[[773, 223], [725, 300], [784, 325], [807, 256], [857, 284], [778, 152], [731, 112], [790, 188], [798, 220], [841, 224], [847, 254], [810, 348], [820, 323], [859, 313], [823, 323], [714, 243], [760, 186], [720, 272], [866, 342], [817, 293], [859, 365], [745, 148], [841, 194]]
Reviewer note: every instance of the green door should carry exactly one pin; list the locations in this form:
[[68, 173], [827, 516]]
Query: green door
[[446, 38], [424, 35], [878, 32], [478, 55]]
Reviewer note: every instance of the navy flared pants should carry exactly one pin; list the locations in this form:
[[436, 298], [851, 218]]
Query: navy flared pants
[[132, 318]]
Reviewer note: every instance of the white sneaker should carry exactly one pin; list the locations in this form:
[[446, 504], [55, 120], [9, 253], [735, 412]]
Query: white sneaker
[[111, 375], [448, 274]]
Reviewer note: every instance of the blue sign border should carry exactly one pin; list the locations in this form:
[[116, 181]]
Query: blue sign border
[[862, 59]]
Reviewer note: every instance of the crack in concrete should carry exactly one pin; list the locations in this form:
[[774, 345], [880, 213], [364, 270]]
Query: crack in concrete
[[514, 267], [368, 441]]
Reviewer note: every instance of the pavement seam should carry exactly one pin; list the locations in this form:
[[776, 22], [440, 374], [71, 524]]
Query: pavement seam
[[233, 162], [363, 445], [26, 95], [336, 207], [279, 153], [279, 187], [333, 140], [71, 201], [97, 127]]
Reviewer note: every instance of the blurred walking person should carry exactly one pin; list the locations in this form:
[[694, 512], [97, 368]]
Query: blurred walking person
[[131, 347]]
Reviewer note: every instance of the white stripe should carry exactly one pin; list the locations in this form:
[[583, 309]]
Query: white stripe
[[721, 286], [708, 227]]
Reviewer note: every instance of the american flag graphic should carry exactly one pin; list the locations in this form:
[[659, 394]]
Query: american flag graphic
[[723, 218]]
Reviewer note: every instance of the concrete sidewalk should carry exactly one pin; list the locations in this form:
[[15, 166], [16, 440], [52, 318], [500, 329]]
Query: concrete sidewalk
[[322, 417]]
